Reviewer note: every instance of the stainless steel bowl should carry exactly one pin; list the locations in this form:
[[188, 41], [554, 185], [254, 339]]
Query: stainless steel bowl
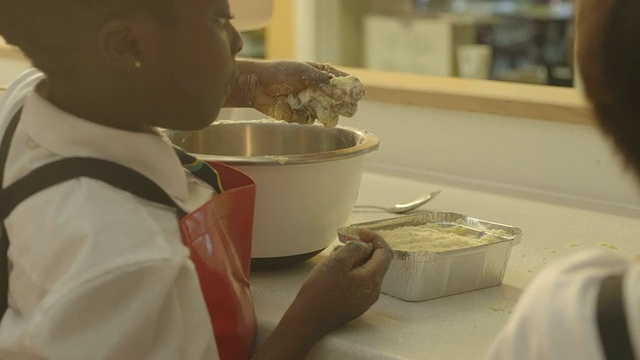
[[274, 142], [307, 177]]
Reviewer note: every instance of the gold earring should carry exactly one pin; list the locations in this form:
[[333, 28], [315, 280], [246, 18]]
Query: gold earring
[[137, 64]]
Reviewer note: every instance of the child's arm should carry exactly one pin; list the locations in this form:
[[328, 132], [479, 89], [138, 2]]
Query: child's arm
[[272, 87], [337, 291]]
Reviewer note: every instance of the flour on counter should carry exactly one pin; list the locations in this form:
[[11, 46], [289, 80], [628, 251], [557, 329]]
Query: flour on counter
[[608, 246], [506, 305]]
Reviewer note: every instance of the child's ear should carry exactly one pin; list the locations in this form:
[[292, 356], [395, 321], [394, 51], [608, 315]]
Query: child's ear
[[119, 47]]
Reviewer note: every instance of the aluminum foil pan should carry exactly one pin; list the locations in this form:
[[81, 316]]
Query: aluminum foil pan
[[424, 275]]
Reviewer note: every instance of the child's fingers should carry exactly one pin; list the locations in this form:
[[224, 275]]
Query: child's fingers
[[315, 75], [382, 255], [352, 253], [328, 69], [378, 263], [367, 235], [346, 109]]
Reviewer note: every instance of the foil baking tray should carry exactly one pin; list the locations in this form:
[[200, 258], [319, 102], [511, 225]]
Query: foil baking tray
[[424, 275]]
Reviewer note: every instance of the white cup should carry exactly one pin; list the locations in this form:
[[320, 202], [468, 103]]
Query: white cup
[[474, 61], [251, 14]]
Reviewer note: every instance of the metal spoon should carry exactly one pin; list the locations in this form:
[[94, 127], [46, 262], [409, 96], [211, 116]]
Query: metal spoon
[[402, 208]]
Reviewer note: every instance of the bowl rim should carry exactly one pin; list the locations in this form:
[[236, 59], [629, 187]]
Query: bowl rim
[[368, 142]]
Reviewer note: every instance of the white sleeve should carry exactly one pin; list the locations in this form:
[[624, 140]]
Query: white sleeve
[[141, 311], [101, 282], [555, 318]]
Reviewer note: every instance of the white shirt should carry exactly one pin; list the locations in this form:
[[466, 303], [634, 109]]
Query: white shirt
[[97, 272], [556, 317]]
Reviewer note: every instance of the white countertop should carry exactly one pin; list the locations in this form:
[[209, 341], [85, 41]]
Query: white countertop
[[461, 326]]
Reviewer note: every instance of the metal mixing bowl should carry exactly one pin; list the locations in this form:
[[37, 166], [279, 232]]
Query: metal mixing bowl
[[274, 142], [307, 179]]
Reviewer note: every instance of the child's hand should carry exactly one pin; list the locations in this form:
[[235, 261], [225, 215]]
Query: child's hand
[[337, 291], [345, 285], [296, 91]]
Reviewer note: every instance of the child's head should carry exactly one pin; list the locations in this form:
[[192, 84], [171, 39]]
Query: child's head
[[49, 32], [164, 63], [608, 51]]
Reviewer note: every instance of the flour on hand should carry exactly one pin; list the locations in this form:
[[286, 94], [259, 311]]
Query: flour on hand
[[327, 103]]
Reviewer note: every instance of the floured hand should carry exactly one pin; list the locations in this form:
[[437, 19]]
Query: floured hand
[[296, 91], [328, 102]]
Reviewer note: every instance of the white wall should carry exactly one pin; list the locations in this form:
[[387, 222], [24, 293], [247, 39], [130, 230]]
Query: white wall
[[561, 162]]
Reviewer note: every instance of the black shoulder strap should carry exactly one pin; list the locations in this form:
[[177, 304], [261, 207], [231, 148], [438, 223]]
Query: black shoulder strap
[[4, 239], [612, 322], [6, 142], [56, 172], [48, 175]]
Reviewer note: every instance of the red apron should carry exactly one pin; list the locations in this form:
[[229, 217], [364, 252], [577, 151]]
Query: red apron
[[218, 235]]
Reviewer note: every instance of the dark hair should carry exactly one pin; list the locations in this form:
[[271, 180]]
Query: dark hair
[[614, 86], [47, 30]]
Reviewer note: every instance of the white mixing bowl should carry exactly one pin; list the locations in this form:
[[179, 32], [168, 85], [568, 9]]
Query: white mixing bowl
[[307, 180]]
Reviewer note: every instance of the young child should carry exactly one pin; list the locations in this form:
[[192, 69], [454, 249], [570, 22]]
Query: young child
[[586, 307], [96, 272]]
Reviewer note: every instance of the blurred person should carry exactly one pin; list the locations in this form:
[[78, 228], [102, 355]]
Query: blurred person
[[586, 307]]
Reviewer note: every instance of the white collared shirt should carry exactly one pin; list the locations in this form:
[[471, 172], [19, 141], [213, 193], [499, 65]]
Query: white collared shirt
[[555, 319], [97, 272]]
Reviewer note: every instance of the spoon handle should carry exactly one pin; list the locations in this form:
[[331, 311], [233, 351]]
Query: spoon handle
[[370, 207]]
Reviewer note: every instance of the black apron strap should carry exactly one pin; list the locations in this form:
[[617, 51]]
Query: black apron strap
[[56, 172], [4, 239], [612, 322], [6, 143]]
